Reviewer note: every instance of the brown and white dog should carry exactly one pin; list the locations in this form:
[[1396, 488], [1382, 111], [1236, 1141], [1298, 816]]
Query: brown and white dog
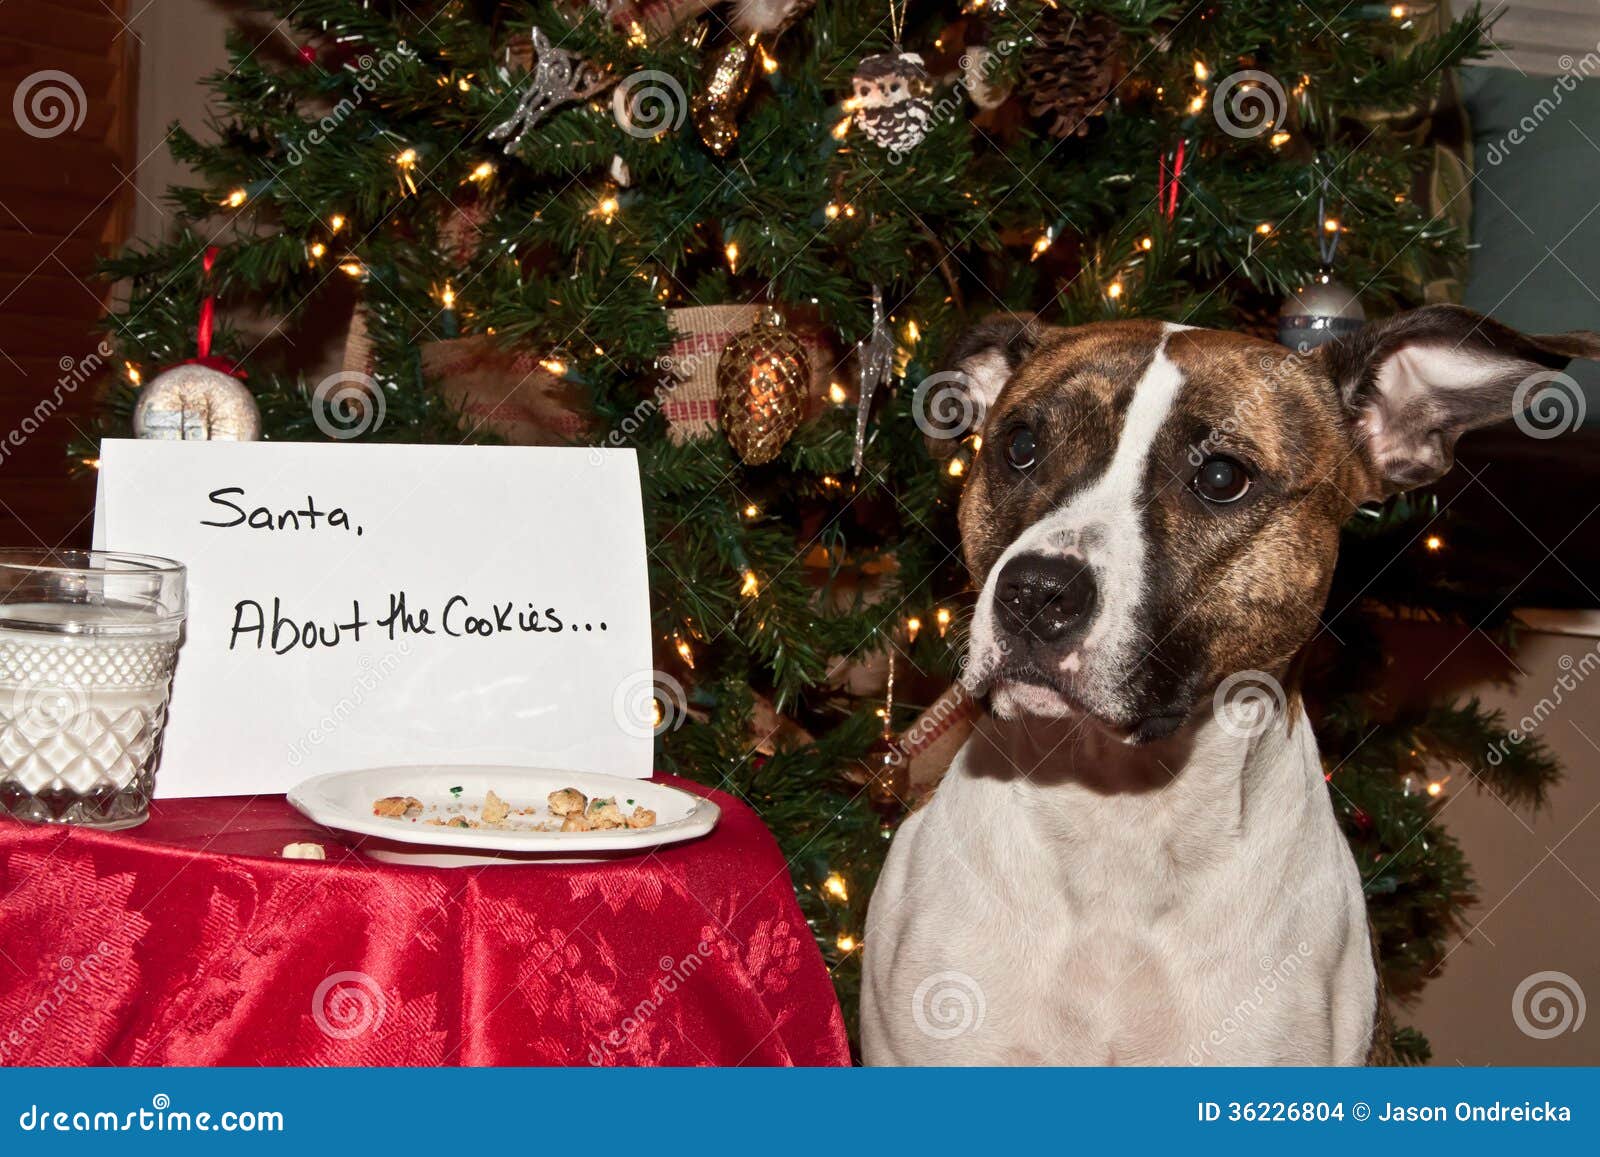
[[1134, 860]]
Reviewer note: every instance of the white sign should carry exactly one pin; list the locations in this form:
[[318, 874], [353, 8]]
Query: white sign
[[360, 605]]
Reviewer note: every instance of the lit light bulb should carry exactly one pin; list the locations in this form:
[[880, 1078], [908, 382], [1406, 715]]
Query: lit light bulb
[[318, 249], [1114, 290], [405, 161], [1201, 72], [608, 207], [768, 64], [685, 653], [555, 366], [1042, 244], [1433, 542], [1197, 103], [133, 373], [942, 617], [956, 468], [846, 942], [731, 251], [1331, 225], [234, 199], [464, 84], [913, 628], [842, 128], [750, 588], [834, 885], [1278, 139], [353, 268], [335, 223], [447, 296], [836, 394], [831, 211], [1399, 11], [1264, 228], [481, 172], [752, 511], [1147, 243]]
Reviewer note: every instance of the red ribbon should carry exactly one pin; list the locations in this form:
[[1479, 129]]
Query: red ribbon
[[208, 310], [1167, 187], [207, 326]]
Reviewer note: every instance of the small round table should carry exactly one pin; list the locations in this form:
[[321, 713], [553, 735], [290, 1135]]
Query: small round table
[[190, 940]]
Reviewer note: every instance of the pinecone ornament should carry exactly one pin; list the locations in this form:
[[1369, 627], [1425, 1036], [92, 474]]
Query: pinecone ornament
[[1074, 64], [761, 388]]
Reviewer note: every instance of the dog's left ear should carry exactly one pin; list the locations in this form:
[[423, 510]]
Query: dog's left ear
[[1416, 382]]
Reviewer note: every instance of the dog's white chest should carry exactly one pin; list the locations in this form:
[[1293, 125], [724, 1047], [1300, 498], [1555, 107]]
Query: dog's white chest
[[1113, 931]]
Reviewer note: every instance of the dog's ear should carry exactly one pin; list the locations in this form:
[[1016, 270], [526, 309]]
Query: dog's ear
[[1414, 383], [976, 369]]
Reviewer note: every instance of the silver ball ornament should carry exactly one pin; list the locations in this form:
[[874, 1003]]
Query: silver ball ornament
[[1322, 312], [195, 403]]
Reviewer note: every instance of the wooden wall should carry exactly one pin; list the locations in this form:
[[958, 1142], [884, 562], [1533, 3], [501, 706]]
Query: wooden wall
[[66, 196]]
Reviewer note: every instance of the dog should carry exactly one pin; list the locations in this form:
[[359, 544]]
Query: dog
[[1134, 859]]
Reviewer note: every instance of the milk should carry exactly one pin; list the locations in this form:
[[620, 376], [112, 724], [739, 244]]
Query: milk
[[83, 698]]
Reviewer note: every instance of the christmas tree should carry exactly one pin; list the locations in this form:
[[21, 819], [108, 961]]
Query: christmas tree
[[740, 237]]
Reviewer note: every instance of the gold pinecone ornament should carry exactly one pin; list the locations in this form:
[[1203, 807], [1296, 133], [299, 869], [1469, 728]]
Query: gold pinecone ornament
[[761, 389], [1071, 69]]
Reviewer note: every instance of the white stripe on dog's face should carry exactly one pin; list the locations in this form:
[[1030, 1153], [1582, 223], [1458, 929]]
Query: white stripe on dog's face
[[1103, 525]]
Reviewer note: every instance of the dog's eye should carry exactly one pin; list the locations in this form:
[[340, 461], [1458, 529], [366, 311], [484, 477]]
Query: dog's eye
[[1221, 480], [1021, 447]]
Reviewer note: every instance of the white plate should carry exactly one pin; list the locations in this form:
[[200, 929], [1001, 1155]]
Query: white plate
[[343, 800]]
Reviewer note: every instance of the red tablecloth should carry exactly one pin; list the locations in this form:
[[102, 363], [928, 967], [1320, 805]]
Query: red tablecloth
[[189, 940]]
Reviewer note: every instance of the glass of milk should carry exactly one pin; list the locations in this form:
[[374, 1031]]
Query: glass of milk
[[87, 643]]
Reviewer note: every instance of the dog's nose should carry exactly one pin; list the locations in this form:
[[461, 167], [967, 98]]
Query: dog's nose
[[1044, 598]]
